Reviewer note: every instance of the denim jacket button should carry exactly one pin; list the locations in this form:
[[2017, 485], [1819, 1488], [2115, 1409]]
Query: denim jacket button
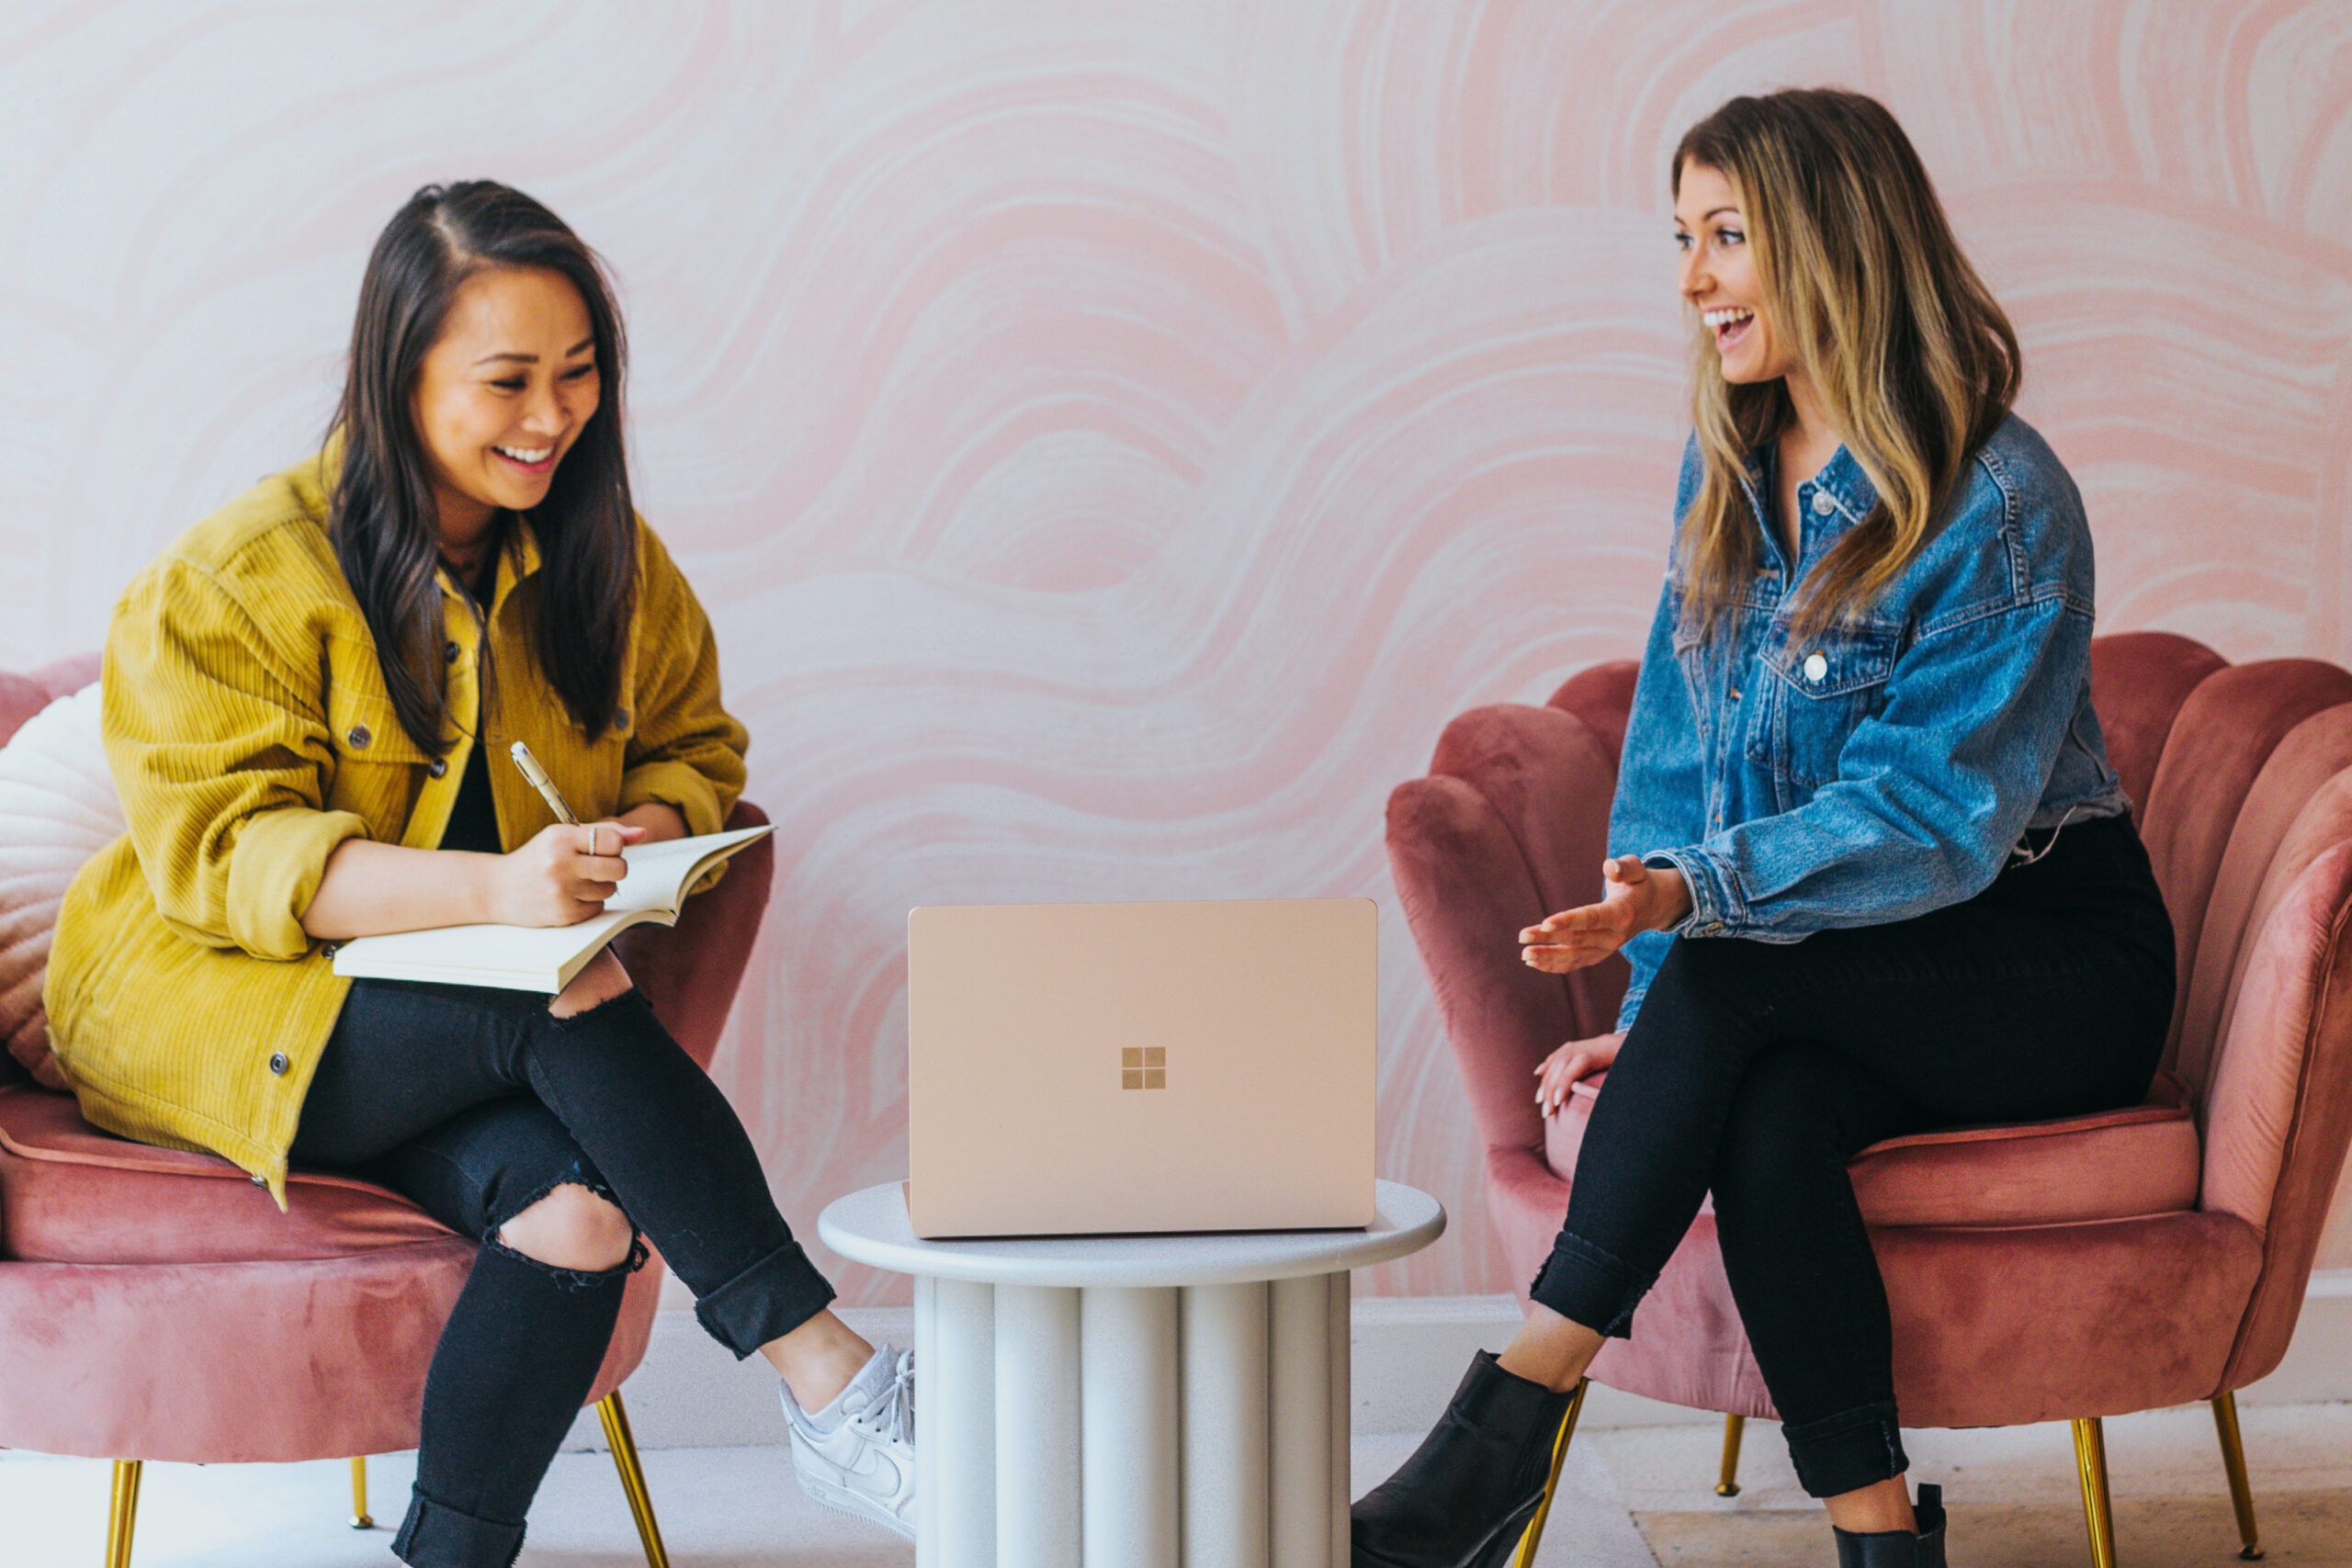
[[1815, 667], [1824, 503], [278, 1064]]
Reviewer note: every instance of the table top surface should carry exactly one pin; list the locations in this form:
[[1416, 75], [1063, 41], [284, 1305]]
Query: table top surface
[[871, 1227]]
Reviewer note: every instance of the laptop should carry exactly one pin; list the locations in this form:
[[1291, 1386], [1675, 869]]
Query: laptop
[[1120, 1068]]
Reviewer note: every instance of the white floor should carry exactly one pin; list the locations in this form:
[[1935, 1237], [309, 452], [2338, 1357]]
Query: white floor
[[739, 1508]]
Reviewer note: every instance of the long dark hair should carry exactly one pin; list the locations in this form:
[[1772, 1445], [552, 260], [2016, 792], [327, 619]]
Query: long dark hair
[[383, 518]]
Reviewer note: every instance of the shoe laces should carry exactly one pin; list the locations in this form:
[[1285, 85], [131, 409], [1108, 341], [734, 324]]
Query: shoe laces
[[890, 1411]]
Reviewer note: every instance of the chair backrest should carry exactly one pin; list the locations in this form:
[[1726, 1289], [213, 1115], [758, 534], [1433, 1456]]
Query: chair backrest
[[2248, 821], [21, 696]]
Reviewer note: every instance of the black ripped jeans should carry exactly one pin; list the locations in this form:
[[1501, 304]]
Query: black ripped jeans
[[477, 1103], [1756, 1070]]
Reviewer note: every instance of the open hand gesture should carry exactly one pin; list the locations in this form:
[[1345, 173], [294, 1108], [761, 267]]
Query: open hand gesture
[[1634, 899]]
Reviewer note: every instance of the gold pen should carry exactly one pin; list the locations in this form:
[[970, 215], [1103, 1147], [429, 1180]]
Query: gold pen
[[544, 784]]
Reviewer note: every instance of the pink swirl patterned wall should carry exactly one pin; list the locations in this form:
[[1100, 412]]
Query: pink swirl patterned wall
[[1113, 438]]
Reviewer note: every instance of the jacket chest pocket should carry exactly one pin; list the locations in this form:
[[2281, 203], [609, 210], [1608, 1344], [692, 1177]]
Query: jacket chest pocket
[[378, 769], [1820, 692]]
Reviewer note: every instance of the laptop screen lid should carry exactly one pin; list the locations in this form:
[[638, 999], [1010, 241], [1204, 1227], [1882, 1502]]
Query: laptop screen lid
[[1106, 1068]]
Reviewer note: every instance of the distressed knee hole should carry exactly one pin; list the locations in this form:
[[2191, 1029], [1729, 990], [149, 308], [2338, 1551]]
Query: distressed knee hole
[[571, 1227], [600, 981]]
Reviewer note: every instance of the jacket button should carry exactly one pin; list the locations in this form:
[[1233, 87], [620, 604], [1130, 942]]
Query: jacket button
[[278, 1064], [359, 736], [449, 652], [439, 766], [329, 950], [261, 1181], [620, 718], [1824, 503], [1815, 667]]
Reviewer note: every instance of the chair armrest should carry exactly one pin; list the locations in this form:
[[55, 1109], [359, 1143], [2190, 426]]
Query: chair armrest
[[690, 970], [1512, 825]]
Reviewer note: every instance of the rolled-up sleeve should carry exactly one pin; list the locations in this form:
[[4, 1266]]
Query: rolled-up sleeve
[[220, 753], [685, 750]]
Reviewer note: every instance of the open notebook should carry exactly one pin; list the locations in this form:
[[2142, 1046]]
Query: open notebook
[[545, 958]]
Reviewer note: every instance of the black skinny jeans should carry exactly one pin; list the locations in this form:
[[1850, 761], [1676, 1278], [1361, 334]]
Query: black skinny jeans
[[478, 1104], [1756, 1070]]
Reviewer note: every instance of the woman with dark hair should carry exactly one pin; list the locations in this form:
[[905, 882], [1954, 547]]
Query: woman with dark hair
[[1869, 864], [302, 698]]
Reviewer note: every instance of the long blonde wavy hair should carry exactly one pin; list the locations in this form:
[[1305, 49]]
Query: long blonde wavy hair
[[1914, 363]]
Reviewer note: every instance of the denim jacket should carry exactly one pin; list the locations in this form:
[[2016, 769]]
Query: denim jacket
[[1889, 766]]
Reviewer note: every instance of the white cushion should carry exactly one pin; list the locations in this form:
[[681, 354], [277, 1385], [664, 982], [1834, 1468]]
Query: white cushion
[[57, 809]]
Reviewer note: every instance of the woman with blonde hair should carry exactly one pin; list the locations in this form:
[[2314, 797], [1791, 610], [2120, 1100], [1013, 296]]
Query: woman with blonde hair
[[1869, 864]]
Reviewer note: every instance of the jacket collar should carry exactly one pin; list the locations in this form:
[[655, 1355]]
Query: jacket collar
[[1841, 479], [518, 557]]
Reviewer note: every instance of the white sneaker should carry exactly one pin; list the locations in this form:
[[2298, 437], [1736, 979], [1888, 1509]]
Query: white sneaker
[[858, 1453]]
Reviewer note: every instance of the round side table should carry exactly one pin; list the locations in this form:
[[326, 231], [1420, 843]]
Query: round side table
[[1157, 1400]]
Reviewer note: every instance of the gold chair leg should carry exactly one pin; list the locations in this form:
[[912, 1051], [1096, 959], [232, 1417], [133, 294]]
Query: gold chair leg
[[640, 1500], [1729, 1485], [122, 1512], [2090, 1459], [2225, 1422], [1525, 1558], [359, 1517]]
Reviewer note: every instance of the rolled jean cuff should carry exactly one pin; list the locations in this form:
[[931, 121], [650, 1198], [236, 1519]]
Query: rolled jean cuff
[[1846, 1452], [436, 1535], [1589, 1286], [766, 1300]]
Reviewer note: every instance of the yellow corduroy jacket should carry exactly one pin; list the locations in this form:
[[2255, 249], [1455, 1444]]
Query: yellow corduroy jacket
[[250, 732]]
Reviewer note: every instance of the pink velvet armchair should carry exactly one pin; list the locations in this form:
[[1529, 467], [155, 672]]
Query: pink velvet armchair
[[156, 1304], [2060, 1270]]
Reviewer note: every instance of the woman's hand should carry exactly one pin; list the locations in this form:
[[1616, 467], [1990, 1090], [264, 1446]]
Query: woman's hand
[[659, 821], [1577, 1059], [560, 878], [1634, 899]]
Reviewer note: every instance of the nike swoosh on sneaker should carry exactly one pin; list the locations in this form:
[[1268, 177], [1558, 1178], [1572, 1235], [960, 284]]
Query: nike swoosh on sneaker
[[877, 1476]]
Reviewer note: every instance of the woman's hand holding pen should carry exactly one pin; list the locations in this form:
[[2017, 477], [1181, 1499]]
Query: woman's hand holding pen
[[1634, 898], [565, 873], [564, 876]]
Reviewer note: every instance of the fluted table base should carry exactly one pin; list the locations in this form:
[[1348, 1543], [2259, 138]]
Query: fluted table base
[[1123, 1426]]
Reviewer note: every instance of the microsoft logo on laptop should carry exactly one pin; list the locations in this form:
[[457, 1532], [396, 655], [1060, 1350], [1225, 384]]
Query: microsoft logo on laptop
[[1143, 1066]]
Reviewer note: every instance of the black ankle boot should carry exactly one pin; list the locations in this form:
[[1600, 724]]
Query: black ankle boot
[[1464, 1498], [1899, 1548]]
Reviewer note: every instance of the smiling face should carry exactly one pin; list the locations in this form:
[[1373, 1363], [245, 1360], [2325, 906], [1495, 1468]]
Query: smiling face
[[503, 394], [1718, 277]]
